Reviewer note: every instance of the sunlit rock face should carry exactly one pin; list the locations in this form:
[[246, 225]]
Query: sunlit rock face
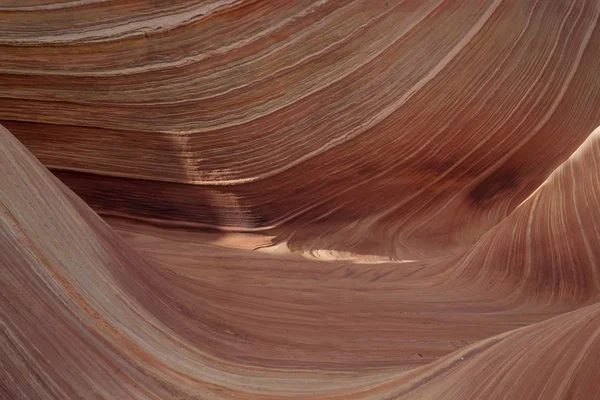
[[307, 199]]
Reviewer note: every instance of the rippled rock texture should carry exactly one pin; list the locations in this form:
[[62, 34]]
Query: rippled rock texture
[[300, 199]]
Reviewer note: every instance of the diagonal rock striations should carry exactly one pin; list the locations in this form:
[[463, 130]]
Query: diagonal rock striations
[[85, 315], [402, 129], [245, 199]]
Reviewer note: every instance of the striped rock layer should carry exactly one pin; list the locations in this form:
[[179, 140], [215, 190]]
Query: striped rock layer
[[308, 199], [399, 129], [165, 314]]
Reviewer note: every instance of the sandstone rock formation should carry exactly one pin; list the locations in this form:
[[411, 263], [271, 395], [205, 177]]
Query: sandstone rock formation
[[84, 315], [402, 128], [308, 199]]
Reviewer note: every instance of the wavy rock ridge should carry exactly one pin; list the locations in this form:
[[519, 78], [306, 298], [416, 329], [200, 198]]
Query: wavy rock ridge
[[386, 128], [106, 330], [309, 199]]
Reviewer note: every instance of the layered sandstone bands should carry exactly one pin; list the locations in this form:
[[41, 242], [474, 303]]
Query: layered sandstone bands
[[172, 322], [308, 199], [378, 113]]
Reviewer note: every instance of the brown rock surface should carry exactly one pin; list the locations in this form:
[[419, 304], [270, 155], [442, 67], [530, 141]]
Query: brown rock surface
[[308, 199], [85, 316], [386, 128]]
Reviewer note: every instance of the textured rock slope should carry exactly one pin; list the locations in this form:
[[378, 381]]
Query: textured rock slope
[[307, 199], [403, 128], [85, 316]]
